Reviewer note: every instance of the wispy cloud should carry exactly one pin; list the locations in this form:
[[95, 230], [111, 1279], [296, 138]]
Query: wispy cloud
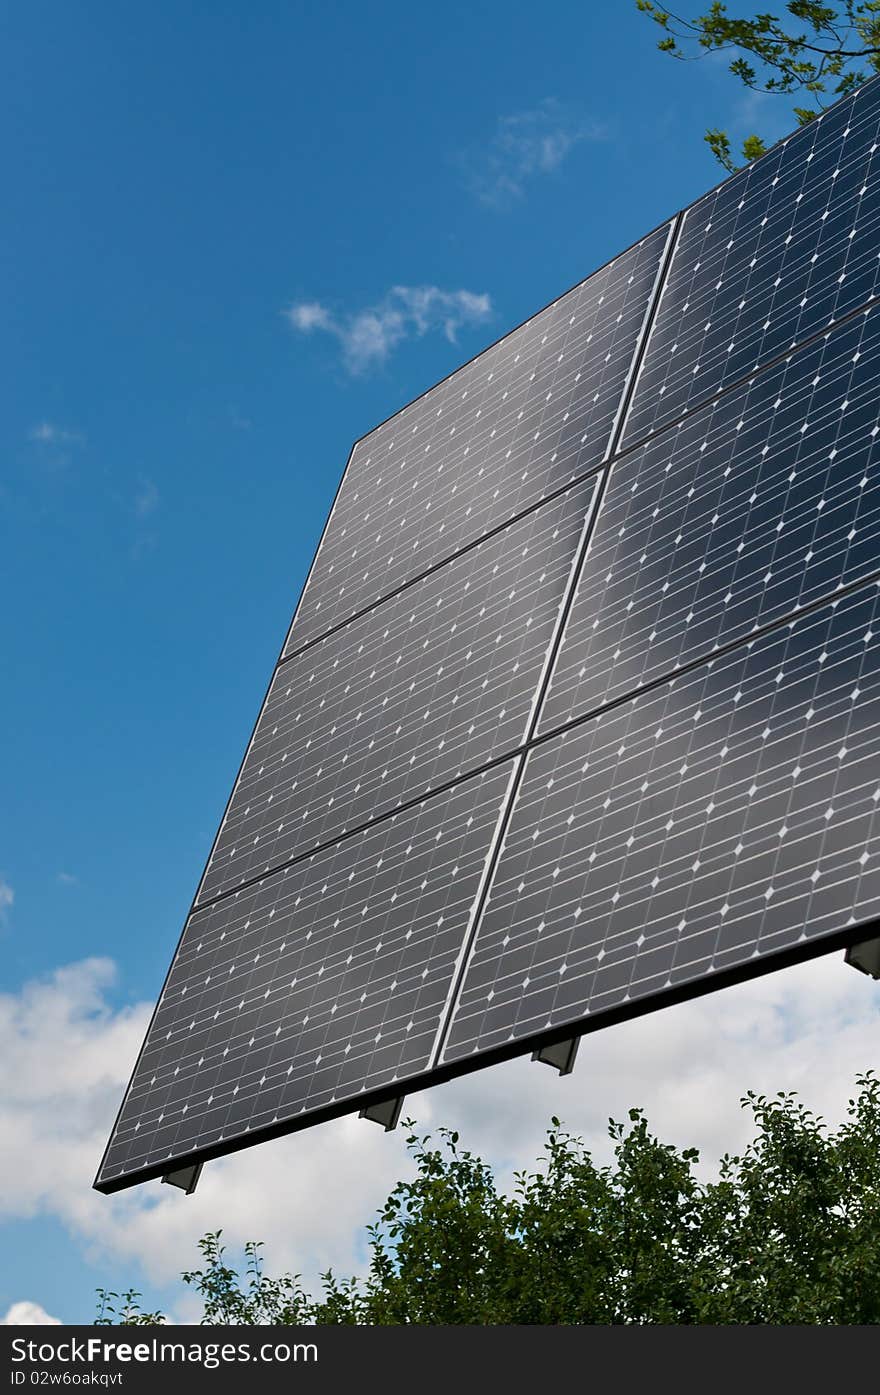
[[146, 500], [7, 896], [68, 879], [309, 315], [523, 146], [367, 337], [48, 433]]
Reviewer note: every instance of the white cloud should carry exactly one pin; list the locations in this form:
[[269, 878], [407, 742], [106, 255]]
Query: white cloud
[[65, 1057], [309, 315], [27, 1314], [368, 336], [525, 145], [7, 896], [48, 433], [68, 879]]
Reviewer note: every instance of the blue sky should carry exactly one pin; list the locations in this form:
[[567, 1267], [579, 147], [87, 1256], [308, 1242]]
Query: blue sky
[[238, 237]]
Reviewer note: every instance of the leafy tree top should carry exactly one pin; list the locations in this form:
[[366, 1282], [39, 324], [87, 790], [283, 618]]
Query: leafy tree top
[[788, 1232], [810, 51]]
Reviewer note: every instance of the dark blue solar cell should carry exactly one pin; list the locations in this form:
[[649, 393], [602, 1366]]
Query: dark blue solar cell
[[770, 257], [715, 821], [741, 514]]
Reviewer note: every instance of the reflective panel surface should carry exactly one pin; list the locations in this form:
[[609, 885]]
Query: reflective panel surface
[[435, 682], [317, 983], [770, 257], [741, 514], [720, 818]]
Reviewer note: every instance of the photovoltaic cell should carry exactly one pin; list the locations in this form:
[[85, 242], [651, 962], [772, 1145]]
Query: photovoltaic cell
[[320, 982], [739, 515], [519, 422], [436, 681], [726, 816], [772, 256]]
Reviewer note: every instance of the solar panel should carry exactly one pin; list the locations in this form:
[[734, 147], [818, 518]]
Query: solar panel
[[731, 518], [321, 982], [775, 254], [437, 680], [722, 818], [578, 711]]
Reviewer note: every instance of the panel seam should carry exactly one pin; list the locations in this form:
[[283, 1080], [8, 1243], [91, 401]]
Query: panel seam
[[497, 845], [492, 852]]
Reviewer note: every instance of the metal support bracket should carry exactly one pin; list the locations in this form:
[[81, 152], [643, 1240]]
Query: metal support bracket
[[184, 1177], [385, 1112], [561, 1055], [865, 956]]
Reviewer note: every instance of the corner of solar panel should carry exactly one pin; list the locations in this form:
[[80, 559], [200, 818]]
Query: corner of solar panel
[[578, 709]]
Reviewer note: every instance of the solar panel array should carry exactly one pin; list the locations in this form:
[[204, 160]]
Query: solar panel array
[[578, 711]]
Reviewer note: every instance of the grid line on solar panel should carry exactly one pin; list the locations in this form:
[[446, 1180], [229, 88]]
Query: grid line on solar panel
[[591, 474], [321, 980], [727, 815], [553, 648], [738, 515], [502, 433], [782, 249], [432, 683]]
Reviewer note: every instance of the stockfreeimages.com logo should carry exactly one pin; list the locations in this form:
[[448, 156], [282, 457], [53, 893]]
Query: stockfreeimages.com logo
[[96, 1349]]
